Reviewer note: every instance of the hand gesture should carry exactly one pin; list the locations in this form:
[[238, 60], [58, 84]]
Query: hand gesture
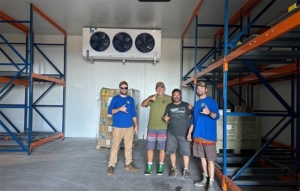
[[167, 118], [153, 98], [123, 108], [205, 111], [190, 106]]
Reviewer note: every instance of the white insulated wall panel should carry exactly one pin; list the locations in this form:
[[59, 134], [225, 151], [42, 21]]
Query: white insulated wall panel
[[85, 79]]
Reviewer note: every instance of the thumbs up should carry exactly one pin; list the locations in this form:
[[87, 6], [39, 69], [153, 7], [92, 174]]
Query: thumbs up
[[167, 118]]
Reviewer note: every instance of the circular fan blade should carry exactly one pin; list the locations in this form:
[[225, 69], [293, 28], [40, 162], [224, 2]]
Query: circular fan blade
[[144, 42], [116, 43], [95, 38], [150, 46], [105, 42], [138, 43], [127, 39], [94, 45], [99, 41], [120, 36], [122, 42], [102, 47], [101, 36], [127, 45]]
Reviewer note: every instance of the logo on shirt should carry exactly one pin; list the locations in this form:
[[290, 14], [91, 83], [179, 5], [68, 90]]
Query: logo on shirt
[[163, 101], [178, 110], [128, 102], [202, 104]]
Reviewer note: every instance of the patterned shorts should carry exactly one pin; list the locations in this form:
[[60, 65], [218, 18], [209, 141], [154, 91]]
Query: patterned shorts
[[205, 149], [160, 136]]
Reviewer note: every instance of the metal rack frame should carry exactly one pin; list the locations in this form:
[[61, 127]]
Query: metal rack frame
[[268, 37], [28, 139]]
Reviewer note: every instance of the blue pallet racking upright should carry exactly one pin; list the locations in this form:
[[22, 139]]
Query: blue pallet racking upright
[[21, 74], [282, 34]]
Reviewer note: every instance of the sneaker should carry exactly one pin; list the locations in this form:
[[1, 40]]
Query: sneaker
[[131, 167], [160, 169], [203, 182], [174, 172], [149, 169], [110, 171], [186, 174], [211, 186]]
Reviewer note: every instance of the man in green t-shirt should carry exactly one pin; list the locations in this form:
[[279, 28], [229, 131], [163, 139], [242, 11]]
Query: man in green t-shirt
[[157, 127]]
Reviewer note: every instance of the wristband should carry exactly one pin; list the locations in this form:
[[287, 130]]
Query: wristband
[[209, 113]]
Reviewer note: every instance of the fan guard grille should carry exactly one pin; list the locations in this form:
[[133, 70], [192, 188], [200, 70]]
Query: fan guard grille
[[99, 41], [144, 42], [122, 42]]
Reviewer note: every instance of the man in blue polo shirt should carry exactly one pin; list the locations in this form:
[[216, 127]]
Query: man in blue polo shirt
[[122, 108]]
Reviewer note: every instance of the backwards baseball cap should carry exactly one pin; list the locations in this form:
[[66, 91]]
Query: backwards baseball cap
[[123, 82], [160, 84], [202, 84]]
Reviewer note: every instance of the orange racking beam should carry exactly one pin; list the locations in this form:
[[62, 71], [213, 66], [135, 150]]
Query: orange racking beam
[[246, 9], [204, 71], [49, 79], [191, 19], [19, 26], [269, 80], [49, 20], [226, 182], [275, 72], [278, 144], [17, 82], [286, 25], [45, 140]]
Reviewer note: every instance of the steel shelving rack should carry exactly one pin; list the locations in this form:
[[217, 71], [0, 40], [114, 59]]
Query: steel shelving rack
[[275, 43], [17, 139]]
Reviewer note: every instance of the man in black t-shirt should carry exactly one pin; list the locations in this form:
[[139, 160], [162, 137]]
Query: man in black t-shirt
[[178, 116]]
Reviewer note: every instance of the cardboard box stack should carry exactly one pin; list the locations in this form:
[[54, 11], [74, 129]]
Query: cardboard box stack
[[105, 126]]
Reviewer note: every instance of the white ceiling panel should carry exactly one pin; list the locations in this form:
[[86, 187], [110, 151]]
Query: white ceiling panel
[[172, 17]]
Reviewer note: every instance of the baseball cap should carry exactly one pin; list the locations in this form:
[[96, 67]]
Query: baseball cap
[[123, 82], [202, 84], [160, 84]]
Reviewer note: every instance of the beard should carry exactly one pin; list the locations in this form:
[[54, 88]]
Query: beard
[[123, 92], [176, 100], [200, 93]]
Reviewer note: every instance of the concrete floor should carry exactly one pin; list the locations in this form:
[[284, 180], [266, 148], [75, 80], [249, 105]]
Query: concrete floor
[[74, 164]]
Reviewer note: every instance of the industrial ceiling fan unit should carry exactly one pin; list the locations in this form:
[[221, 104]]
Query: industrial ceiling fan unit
[[121, 44]]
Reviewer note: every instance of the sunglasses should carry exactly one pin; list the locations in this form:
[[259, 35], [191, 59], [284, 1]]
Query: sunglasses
[[125, 88]]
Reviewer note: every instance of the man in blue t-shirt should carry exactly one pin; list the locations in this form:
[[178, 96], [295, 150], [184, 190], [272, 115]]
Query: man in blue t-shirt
[[204, 124], [122, 108]]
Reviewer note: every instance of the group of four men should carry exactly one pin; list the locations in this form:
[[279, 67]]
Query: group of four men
[[172, 123]]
